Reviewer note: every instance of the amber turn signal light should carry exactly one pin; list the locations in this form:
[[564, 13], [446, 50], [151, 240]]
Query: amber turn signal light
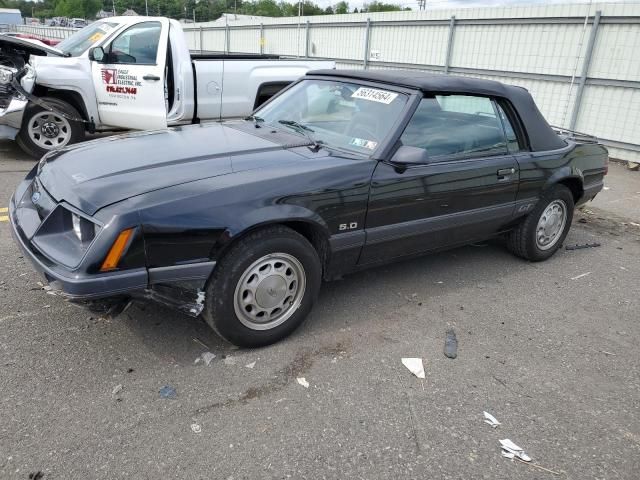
[[116, 251]]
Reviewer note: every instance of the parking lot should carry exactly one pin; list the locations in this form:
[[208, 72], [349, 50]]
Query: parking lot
[[550, 349]]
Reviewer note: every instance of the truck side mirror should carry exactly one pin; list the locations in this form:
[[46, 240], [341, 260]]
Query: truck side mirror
[[96, 54], [407, 155]]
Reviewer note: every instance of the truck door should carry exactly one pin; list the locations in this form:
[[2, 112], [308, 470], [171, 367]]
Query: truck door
[[130, 80], [466, 191]]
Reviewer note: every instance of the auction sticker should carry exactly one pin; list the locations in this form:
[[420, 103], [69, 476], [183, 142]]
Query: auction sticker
[[362, 143], [374, 95]]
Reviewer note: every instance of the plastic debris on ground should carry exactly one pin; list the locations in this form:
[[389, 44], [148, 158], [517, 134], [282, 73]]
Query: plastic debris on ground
[[580, 276], [195, 428], [510, 450], [581, 246], [451, 344], [116, 390], [199, 306], [250, 365], [491, 420], [168, 392], [415, 366], [229, 360], [303, 381], [206, 357]]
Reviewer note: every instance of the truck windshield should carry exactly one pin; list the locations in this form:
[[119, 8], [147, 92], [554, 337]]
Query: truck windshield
[[79, 42], [344, 115]]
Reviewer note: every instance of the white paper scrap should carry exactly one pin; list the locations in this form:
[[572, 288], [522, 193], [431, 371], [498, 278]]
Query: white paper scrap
[[511, 447], [580, 276], [302, 381], [250, 365], [415, 366], [491, 420]]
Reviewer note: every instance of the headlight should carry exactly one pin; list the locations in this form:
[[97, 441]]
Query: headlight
[[65, 236], [84, 229]]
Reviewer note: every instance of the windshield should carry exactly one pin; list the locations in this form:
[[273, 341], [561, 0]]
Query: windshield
[[79, 42], [344, 115]]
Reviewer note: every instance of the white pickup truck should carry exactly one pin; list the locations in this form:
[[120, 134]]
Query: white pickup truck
[[127, 73]]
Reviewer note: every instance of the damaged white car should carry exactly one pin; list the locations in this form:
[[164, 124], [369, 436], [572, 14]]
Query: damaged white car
[[128, 73]]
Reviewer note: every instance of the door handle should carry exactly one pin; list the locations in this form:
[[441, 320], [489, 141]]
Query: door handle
[[504, 174], [155, 78]]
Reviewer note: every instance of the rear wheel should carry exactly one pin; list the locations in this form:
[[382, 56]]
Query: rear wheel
[[543, 231], [263, 288], [43, 131]]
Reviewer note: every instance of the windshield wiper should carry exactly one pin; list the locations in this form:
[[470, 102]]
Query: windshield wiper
[[303, 129], [293, 123]]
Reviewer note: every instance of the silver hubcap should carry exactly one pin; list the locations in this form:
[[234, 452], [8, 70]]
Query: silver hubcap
[[551, 224], [48, 130], [269, 291]]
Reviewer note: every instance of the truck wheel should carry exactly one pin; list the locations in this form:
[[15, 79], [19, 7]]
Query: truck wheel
[[42, 131], [263, 288], [542, 232]]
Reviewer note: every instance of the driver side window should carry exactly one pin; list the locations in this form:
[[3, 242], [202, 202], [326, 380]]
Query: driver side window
[[456, 127], [136, 45]]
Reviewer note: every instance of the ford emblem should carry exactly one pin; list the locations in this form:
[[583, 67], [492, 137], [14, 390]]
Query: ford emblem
[[35, 197]]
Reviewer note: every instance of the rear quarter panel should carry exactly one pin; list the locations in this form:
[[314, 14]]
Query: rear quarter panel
[[243, 78], [539, 171]]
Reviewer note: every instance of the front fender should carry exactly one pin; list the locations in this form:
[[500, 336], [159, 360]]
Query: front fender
[[265, 216]]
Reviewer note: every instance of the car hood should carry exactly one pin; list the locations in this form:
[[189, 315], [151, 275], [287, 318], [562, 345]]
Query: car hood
[[32, 44], [98, 173]]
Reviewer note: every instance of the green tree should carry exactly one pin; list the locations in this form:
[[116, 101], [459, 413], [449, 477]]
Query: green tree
[[341, 7], [376, 6]]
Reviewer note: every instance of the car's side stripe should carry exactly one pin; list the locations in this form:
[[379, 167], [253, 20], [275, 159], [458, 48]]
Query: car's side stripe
[[177, 273], [347, 240], [422, 226]]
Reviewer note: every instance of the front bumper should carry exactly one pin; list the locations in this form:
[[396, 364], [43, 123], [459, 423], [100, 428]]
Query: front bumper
[[11, 118], [73, 285]]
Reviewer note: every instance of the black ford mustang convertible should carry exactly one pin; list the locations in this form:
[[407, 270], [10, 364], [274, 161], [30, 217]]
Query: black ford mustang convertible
[[241, 221]]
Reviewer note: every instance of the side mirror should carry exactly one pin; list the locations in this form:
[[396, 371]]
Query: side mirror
[[96, 54], [407, 155]]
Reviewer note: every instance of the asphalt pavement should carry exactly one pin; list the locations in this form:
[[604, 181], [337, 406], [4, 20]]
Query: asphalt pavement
[[550, 349]]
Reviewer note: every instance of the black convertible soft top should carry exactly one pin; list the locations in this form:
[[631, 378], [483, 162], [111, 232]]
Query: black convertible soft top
[[541, 136]]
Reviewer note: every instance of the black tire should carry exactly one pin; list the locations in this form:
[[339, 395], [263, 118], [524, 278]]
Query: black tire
[[220, 312], [29, 146], [522, 240]]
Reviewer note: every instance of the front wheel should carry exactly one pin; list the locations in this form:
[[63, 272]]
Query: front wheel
[[43, 131], [263, 288], [543, 231]]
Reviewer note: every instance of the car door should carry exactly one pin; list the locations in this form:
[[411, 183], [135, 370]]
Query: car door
[[465, 192], [130, 79]]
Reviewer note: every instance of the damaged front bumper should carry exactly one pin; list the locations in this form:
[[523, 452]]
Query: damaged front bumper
[[180, 287], [11, 117], [12, 103]]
